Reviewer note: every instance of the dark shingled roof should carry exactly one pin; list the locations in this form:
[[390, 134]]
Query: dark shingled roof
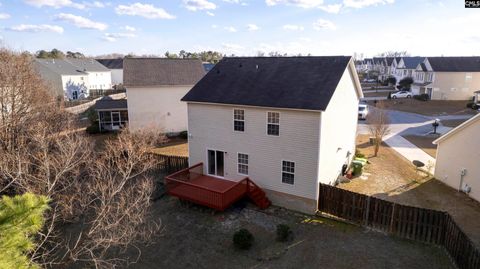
[[389, 60], [278, 82], [455, 64], [144, 72], [108, 104], [112, 63], [412, 62], [423, 67]]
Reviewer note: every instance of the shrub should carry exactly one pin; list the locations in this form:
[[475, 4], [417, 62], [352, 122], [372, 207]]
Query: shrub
[[93, 129], [389, 95], [470, 105], [422, 97], [283, 232], [183, 135], [243, 239], [359, 154]]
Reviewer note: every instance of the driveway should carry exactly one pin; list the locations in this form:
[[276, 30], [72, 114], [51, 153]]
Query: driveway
[[405, 123]]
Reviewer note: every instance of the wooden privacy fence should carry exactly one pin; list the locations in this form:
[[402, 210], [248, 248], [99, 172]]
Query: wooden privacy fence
[[421, 224], [170, 164]]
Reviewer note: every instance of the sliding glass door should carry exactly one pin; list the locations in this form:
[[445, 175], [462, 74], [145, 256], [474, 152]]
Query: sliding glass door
[[215, 165]]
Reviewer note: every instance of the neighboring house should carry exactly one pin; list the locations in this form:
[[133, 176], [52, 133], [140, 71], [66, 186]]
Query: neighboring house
[[99, 77], [287, 123], [112, 114], [116, 67], [368, 64], [65, 80], [457, 162], [407, 66], [448, 78], [154, 89], [208, 66]]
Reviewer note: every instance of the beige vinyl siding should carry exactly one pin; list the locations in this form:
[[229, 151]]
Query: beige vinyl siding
[[457, 152], [211, 127], [455, 86], [338, 130], [157, 107]]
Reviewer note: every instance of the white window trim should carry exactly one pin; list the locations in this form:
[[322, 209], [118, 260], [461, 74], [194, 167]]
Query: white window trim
[[266, 125], [248, 163], [233, 120], [281, 172]]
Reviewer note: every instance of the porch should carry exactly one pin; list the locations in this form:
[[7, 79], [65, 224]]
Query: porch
[[193, 185]]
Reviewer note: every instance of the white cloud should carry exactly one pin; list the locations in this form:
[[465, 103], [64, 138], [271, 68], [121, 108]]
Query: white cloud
[[4, 16], [112, 37], [195, 5], [293, 27], [129, 28], [299, 3], [144, 10], [243, 3], [96, 4], [230, 29], [321, 24], [54, 3], [214, 26], [210, 13], [335, 8], [81, 22], [36, 28], [233, 48], [365, 3], [252, 27]]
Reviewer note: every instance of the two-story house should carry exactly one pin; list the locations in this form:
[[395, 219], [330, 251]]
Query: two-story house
[[116, 67], [448, 78], [154, 89], [99, 77], [407, 66], [288, 123]]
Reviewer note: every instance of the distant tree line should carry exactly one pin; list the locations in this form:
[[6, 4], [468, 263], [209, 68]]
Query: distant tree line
[[205, 56], [58, 54]]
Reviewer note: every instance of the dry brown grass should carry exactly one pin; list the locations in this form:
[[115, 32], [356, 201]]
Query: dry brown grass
[[174, 148], [425, 143], [452, 123], [429, 108]]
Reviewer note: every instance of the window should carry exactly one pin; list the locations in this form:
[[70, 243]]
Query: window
[[468, 76], [243, 164], [288, 172], [239, 120], [273, 123]]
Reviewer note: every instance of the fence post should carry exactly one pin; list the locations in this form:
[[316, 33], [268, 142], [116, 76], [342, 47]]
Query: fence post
[[392, 218], [367, 211]]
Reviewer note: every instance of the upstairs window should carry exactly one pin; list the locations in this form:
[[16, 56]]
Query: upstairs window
[[239, 120], [273, 123], [243, 164], [288, 172]]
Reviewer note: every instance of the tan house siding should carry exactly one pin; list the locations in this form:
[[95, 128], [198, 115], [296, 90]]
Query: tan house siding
[[211, 127], [460, 151], [338, 130], [455, 85], [157, 107]]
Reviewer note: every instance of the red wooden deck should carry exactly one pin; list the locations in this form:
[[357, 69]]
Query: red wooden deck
[[192, 185]]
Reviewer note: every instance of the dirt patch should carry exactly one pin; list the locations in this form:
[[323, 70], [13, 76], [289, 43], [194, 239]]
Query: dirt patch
[[194, 237], [453, 123], [425, 143], [385, 173], [375, 94], [177, 147], [429, 108]]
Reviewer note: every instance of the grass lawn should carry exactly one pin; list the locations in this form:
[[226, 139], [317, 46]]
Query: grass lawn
[[195, 237], [452, 123], [424, 143], [429, 108], [375, 94], [175, 147]]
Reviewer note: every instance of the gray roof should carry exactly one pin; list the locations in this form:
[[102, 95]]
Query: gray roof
[[88, 65], [280, 82], [59, 66], [108, 104], [112, 63], [144, 72], [412, 62], [455, 64]]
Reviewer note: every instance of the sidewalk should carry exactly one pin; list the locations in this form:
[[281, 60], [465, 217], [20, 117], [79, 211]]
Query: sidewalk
[[410, 151]]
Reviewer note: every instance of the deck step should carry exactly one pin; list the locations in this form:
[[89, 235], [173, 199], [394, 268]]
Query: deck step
[[258, 196]]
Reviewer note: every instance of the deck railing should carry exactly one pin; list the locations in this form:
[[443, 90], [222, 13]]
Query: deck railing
[[180, 184]]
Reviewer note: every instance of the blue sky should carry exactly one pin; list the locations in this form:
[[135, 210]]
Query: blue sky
[[242, 27]]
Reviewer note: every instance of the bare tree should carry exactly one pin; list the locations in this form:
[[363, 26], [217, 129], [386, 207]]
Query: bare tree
[[378, 123], [99, 200]]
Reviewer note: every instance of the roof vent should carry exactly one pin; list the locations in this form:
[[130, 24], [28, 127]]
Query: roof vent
[[218, 71], [240, 65], [256, 66]]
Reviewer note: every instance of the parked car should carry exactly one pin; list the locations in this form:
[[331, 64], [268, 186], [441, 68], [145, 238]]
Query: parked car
[[401, 94], [362, 111], [369, 80]]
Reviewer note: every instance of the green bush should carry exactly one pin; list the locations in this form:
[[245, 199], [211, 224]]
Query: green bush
[[358, 154], [283, 232], [243, 239], [93, 129], [183, 135]]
